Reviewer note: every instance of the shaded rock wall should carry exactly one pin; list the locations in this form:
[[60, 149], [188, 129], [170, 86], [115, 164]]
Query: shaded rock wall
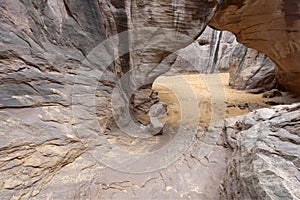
[[56, 36], [172, 26], [210, 53], [271, 27], [276, 35], [43, 45], [251, 70], [180, 22]]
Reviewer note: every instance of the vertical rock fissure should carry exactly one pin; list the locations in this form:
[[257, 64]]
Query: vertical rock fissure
[[240, 66], [216, 54]]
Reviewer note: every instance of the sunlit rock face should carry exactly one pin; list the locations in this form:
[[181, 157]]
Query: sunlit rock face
[[271, 27], [265, 159]]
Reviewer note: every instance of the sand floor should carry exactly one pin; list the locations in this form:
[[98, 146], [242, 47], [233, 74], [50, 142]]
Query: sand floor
[[209, 92]]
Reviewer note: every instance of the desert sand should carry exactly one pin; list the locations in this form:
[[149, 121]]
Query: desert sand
[[211, 92]]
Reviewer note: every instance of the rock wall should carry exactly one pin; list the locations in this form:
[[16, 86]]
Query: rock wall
[[210, 53], [279, 30], [51, 77], [251, 70], [271, 27], [266, 152], [62, 34], [157, 29], [179, 23], [43, 49]]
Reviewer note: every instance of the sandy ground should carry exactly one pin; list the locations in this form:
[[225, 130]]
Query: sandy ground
[[209, 92], [191, 99]]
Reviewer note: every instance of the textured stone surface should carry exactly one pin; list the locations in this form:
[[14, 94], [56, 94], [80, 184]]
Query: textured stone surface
[[36, 144], [51, 77], [42, 50], [157, 29], [181, 22], [49, 81], [49, 160], [62, 33], [210, 53], [266, 152], [271, 27], [251, 70], [42, 157]]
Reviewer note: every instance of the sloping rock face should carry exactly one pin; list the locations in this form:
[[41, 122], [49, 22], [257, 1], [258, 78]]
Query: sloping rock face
[[43, 46], [170, 26], [251, 70], [271, 27], [266, 154], [181, 23], [210, 53]]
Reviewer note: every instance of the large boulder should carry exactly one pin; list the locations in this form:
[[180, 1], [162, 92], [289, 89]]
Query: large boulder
[[266, 151]]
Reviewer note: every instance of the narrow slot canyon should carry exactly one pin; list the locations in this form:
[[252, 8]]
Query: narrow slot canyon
[[149, 100]]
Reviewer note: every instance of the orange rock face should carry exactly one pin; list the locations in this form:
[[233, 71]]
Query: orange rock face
[[272, 27]]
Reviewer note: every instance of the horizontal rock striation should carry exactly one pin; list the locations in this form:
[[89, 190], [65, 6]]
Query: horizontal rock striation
[[55, 100], [45, 52]]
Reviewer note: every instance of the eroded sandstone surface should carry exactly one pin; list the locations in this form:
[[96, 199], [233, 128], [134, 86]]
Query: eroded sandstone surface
[[271, 27], [56, 120], [42, 157]]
